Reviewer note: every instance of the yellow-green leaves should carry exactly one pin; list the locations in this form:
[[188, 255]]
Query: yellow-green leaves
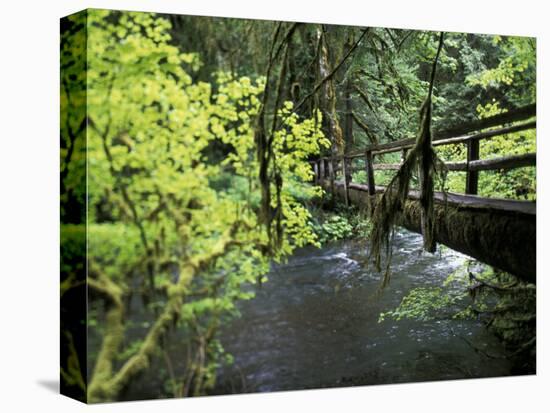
[[520, 54], [173, 189]]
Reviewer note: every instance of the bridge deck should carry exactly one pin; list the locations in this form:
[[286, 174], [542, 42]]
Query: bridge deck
[[498, 232], [464, 200]]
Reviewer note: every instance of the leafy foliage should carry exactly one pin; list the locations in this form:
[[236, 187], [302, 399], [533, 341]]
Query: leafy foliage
[[334, 228], [173, 196], [476, 291], [162, 174]]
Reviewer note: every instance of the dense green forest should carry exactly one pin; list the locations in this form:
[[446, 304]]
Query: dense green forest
[[186, 145]]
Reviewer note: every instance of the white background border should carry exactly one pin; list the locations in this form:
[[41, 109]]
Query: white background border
[[29, 212]]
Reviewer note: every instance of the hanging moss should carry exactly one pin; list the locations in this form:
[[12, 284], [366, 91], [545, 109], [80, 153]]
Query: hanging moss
[[423, 158]]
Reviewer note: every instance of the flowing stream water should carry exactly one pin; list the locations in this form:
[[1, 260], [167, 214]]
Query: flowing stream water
[[315, 324]]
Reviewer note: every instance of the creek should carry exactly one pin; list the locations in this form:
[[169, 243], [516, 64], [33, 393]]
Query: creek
[[315, 324]]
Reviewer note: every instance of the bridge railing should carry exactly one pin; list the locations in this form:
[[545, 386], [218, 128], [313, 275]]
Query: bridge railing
[[468, 134]]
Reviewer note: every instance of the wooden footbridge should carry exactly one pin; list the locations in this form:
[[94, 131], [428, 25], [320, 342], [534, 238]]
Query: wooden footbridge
[[498, 232]]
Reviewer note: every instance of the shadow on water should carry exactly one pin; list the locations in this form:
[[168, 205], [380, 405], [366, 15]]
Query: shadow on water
[[51, 385]]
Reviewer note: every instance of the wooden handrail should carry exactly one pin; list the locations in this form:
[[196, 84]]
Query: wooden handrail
[[455, 132], [513, 115], [504, 163], [438, 141], [449, 136]]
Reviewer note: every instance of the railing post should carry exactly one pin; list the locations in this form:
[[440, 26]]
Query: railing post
[[472, 176], [331, 175], [370, 172], [369, 167], [321, 171], [349, 170], [347, 178]]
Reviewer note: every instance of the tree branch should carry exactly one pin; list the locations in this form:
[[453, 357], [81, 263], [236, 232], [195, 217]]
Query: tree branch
[[333, 72], [364, 126]]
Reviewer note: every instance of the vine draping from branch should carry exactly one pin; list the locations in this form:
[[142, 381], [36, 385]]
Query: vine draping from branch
[[423, 158]]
